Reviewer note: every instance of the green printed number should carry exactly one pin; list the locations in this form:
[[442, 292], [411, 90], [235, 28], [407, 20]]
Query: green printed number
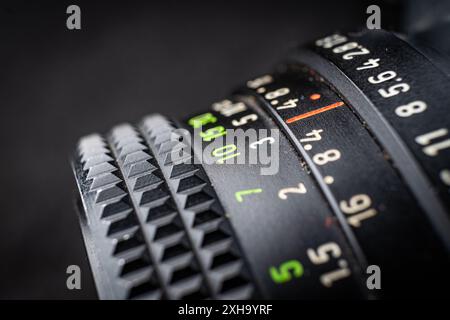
[[239, 195], [213, 133], [225, 152], [201, 120], [286, 271]]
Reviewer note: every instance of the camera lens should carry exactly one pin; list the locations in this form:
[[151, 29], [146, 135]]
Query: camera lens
[[315, 180]]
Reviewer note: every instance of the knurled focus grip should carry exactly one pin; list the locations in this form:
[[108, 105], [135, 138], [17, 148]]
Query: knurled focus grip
[[202, 214], [146, 242], [114, 238]]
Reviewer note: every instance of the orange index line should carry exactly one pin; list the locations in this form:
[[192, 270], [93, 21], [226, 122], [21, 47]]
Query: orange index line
[[314, 112]]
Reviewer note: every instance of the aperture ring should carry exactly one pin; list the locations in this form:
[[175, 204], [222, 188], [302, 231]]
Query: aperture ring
[[409, 95], [344, 157]]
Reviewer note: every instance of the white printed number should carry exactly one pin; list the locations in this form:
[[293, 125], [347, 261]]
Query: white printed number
[[328, 156], [244, 120], [323, 254], [382, 77], [277, 93], [282, 194], [394, 90], [411, 108], [433, 149], [258, 82], [331, 41], [313, 136], [358, 209]]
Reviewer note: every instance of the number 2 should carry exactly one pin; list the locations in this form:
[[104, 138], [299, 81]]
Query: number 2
[[282, 194]]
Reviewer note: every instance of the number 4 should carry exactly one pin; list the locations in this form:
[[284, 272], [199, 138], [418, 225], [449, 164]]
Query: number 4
[[313, 136]]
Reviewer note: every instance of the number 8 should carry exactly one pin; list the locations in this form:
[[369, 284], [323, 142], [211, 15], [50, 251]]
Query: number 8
[[411, 108], [277, 93], [327, 156]]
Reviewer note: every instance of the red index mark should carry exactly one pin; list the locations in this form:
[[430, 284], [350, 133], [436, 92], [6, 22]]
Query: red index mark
[[314, 112]]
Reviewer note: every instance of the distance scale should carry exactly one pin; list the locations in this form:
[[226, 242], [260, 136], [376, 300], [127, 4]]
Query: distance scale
[[293, 243]]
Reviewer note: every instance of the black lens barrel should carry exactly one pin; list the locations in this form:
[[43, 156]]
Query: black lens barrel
[[356, 129]]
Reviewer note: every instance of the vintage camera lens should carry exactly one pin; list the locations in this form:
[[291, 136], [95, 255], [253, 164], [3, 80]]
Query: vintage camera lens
[[352, 201]]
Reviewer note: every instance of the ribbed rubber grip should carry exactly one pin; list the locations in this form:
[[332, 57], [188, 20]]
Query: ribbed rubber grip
[[154, 228]]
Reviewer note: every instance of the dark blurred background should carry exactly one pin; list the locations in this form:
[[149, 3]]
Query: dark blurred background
[[129, 59]]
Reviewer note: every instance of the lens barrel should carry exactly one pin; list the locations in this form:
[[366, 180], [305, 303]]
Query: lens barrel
[[313, 181]]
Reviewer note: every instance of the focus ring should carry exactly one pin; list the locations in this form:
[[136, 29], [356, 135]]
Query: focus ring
[[167, 240], [202, 214], [135, 231], [109, 226]]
